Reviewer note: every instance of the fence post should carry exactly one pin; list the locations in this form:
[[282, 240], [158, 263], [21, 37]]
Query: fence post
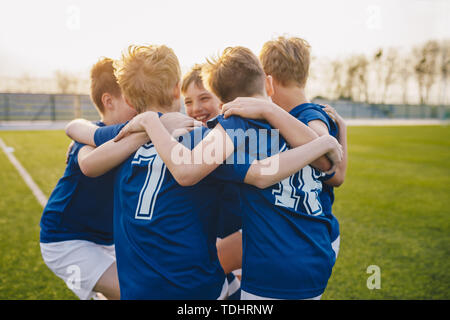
[[77, 106], [6, 100], [53, 107]]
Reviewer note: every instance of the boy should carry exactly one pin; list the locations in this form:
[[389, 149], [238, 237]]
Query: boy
[[76, 226], [164, 248], [287, 60], [200, 104], [165, 245], [287, 249], [203, 105]]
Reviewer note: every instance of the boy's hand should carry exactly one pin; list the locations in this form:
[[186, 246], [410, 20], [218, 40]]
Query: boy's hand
[[335, 154], [134, 125], [334, 115], [246, 107], [178, 123], [175, 122]]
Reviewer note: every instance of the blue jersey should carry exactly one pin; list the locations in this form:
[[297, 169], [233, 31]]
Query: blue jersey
[[230, 219], [287, 251], [79, 208], [165, 234], [308, 112]]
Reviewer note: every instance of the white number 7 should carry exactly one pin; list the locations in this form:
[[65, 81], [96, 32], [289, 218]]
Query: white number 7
[[155, 176]]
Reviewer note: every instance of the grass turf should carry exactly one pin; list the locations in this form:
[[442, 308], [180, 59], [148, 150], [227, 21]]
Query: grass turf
[[393, 211]]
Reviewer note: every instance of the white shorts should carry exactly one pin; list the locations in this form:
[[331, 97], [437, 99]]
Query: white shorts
[[224, 292], [335, 245], [79, 263]]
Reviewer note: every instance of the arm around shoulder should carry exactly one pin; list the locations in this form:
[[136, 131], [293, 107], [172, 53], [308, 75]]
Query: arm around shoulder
[[81, 130]]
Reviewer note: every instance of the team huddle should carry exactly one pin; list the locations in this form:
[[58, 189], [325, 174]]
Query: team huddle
[[232, 200]]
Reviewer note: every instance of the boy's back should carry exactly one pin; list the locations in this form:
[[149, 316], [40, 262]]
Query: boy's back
[[79, 207], [286, 235], [165, 239]]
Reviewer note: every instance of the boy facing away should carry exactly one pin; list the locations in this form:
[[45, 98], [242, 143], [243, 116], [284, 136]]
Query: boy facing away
[[287, 61], [76, 236], [287, 251]]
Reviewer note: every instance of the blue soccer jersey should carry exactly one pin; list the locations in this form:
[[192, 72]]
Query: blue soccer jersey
[[165, 234], [308, 112], [287, 251], [79, 208], [230, 221]]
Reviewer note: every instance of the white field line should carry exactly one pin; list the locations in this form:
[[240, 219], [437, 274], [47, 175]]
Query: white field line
[[41, 198]]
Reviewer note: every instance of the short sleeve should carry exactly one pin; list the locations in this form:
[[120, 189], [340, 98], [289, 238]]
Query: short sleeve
[[104, 134], [73, 155], [311, 114], [326, 177], [316, 113], [235, 167]]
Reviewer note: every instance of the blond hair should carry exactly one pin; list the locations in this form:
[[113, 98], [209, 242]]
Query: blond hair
[[103, 81], [148, 75], [193, 76], [236, 73], [286, 60]]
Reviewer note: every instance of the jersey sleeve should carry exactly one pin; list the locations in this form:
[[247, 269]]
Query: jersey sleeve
[[317, 113], [235, 167], [104, 134], [326, 177], [73, 155], [312, 114]]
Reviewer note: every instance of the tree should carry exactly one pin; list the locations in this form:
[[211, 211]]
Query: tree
[[425, 68], [377, 63], [444, 68], [404, 75], [65, 81], [390, 69], [337, 78], [356, 82]]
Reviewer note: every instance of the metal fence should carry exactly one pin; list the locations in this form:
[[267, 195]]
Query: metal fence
[[53, 107], [57, 107], [355, 110]]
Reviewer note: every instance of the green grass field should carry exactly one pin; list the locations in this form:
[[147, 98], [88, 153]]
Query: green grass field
[[394, 212]]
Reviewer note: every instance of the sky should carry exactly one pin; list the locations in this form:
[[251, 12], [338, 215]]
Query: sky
[[39, 37]]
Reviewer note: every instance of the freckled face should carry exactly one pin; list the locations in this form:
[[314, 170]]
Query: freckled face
[[201, 104]]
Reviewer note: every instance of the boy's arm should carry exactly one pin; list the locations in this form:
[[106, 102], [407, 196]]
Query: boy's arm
[[94, 162], [341, 169], [190, 166], [266, 172], [293, 130], [176, 123], [229, 251], [81, 130], [187, 166]]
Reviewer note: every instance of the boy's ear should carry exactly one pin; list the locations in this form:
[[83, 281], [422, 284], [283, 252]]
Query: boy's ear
[[269, 86], [127, 102], [177, 90], [107, 101]]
